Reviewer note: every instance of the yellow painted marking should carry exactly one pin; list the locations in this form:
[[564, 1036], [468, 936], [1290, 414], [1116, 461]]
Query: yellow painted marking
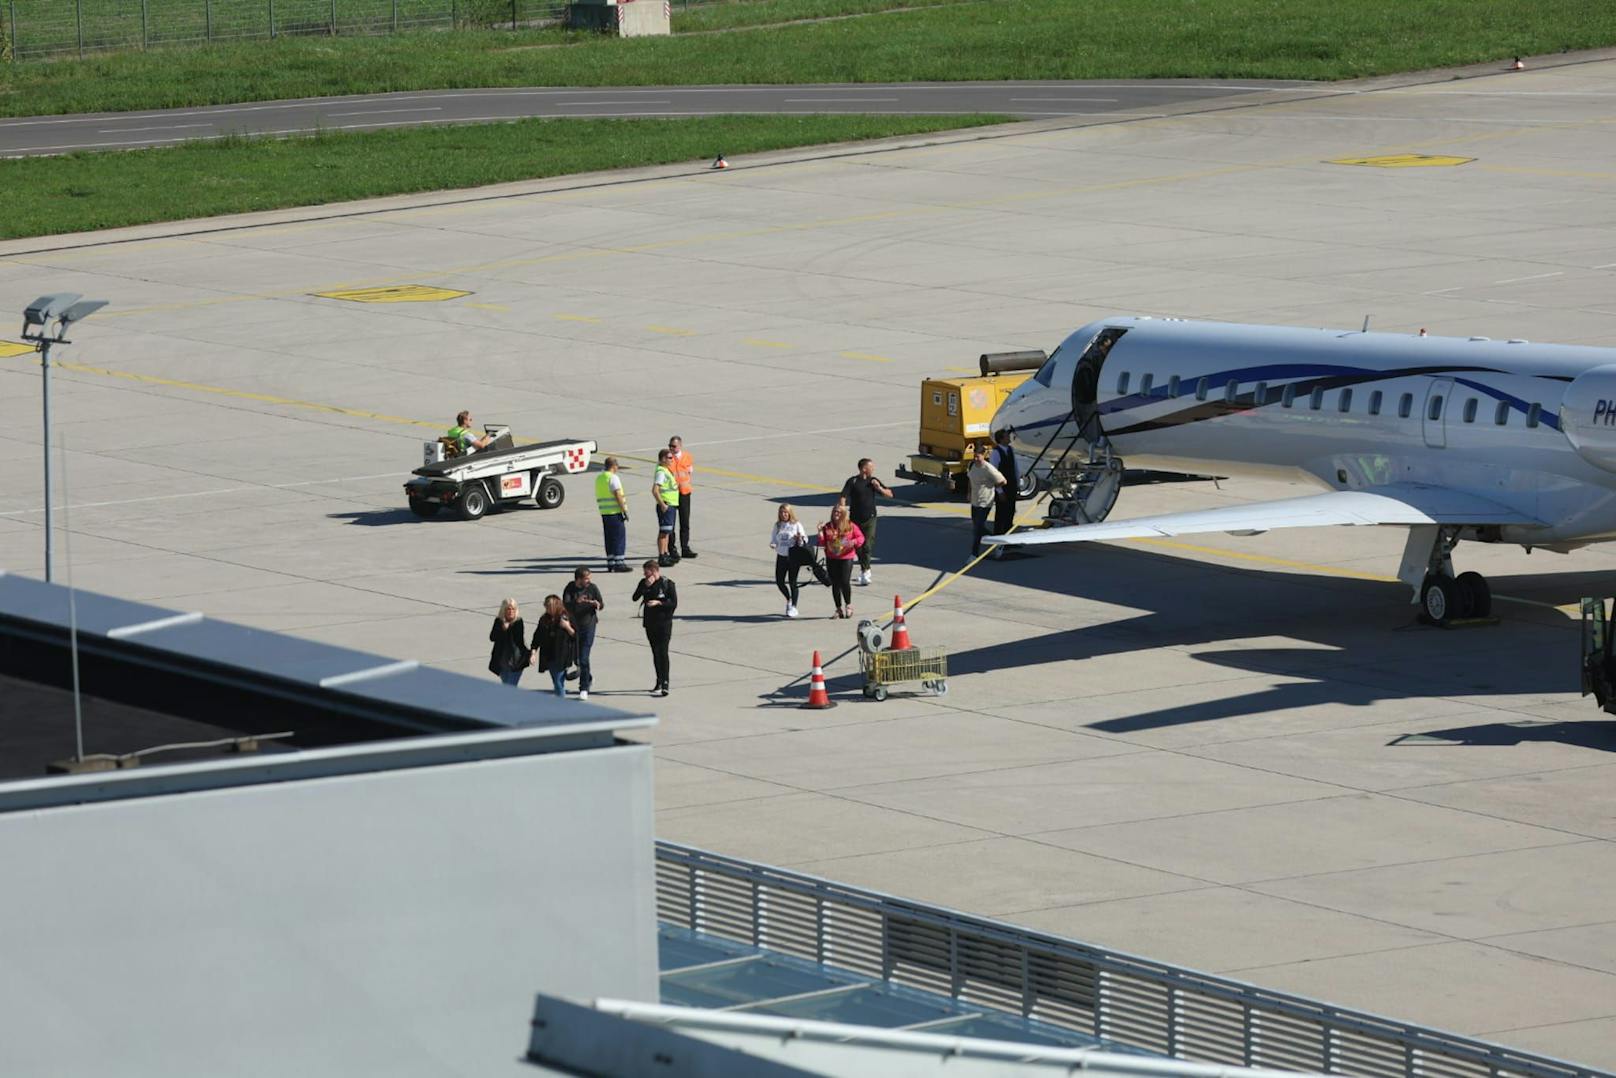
[[672, 331], [868, 356], [14, 348], [401, 293], [489, 307], [759, 342], [1403, 160], [591, 319]]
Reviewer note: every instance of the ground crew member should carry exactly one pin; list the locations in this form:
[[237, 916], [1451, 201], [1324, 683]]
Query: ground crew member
[[613, 506], [859, 492], [682, 465], [1004, 458], [464, 437], [661, 600], [665, 489]]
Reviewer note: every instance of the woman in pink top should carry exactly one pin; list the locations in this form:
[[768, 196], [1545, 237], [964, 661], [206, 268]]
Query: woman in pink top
[[840, 538]]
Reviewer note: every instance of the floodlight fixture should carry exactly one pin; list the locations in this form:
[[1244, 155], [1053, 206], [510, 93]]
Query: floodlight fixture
[[63, 309]]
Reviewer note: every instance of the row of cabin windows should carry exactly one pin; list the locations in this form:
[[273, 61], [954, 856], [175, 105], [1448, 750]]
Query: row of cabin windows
[[1315, 399]]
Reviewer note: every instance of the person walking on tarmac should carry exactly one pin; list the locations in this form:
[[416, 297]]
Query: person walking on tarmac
[[859, 492], [986, 483], [682, 466], [613, 506], [509, 636], [841, 540], [665, 489], [661, 599], [552, 640], [785, 538], [584, 604], [465, 439]]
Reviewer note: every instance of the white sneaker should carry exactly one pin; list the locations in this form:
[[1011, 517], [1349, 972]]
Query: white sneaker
[[864, 578], [791, 611], [583, 694]]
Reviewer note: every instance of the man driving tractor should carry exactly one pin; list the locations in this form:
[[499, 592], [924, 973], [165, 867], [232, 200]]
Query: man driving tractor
[[466, 439]]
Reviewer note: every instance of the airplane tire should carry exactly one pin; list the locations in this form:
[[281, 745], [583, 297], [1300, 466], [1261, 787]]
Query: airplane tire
[[473, 502], [1027, 485], [1474, 588], [424, 509], [551, 494], [1439, 599]]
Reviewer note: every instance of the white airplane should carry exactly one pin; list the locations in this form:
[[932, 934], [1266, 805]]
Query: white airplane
[[1490, 441]]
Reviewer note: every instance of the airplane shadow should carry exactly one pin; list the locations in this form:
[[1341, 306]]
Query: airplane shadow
[[1586, 735]]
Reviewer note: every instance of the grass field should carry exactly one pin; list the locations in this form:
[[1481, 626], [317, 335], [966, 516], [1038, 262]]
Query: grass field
[[83, 192], [988, 39]]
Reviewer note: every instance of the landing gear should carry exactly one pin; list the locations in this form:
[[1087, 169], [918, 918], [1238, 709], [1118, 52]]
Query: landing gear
[[1442, 596]]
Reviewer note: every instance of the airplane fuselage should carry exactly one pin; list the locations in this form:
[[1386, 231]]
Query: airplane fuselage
[[1530, 426]]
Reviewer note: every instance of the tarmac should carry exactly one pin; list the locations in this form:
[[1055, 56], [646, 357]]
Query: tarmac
[[1239, 754]]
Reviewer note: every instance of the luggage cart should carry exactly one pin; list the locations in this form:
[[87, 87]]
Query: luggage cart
[[882, 669]]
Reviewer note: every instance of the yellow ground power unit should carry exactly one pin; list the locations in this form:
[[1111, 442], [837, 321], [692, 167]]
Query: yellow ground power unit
[[957, 412]]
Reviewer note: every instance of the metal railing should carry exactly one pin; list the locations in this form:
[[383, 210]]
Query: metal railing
[[1114, 996], [37, 29]]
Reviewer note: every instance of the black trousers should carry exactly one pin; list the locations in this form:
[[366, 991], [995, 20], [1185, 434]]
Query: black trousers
[[864, 552], [658, 633], [684, 522], [841, 580], [979, 526], [785, 572], [1004, 511]]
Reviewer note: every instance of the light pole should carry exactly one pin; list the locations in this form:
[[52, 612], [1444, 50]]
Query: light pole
[[59, 310]]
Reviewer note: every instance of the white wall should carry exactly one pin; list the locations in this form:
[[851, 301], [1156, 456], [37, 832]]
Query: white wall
[[397, 922]]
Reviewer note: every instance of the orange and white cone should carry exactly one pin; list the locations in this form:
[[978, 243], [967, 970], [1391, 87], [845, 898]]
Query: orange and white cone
[[818, 698], [900, 628], [719, 162]]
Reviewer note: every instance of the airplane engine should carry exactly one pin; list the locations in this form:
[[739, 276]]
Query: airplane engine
[[1588, 416]]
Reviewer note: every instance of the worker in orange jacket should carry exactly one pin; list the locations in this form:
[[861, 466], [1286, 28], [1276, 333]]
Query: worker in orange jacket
[[683, 466]]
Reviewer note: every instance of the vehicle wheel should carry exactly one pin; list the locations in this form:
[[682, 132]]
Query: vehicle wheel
[[879, 692], [869, 693], [473, 502], [424, 509], [940, 688], [1026, 486], [551, 494], [1439, 599], [1475, 587]]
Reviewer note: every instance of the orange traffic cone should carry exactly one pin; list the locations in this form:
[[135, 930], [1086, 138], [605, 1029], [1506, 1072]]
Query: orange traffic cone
[[1517, 65], [900, 629], [818, 698], [719, 162]]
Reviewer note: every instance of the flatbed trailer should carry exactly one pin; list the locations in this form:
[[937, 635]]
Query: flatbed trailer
[[501, 475]]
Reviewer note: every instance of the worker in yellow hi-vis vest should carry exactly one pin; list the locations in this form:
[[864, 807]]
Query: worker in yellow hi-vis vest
[[665, 489], [613, 506]]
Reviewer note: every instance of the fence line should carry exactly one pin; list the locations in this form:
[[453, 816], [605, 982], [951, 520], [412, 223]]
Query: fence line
[[39, 29]]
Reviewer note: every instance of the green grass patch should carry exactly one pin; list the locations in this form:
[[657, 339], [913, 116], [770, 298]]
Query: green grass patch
[[996, 39], [739, 14], [83, 192]]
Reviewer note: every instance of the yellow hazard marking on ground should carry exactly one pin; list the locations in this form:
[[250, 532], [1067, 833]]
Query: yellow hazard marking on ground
[[759, 342], [672, 331], [591, 319], [14, 348], [401, 293], [869, 357], [1403, 160], [499, 307]]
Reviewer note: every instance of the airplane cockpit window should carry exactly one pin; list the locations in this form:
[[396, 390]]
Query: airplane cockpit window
[[1501, 413], [1405, 406], [1315, 400], [1374, 402], [1122, 383], [1533, 414], [1435, 410], [1470, 410], [1046, 374]]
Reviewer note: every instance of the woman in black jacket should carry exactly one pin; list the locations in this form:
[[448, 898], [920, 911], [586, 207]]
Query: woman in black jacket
[[553, 642], [510, 656]]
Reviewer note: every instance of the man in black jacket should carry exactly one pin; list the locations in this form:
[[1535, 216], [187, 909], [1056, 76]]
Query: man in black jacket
[[584, 603], [661, 600]]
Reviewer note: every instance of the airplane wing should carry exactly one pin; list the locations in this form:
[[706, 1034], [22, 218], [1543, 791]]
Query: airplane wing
[[1395, 503]]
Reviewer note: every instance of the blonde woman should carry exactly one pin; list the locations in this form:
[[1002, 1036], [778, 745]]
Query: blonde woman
[[510, 656], [841, 539], [787, 536]]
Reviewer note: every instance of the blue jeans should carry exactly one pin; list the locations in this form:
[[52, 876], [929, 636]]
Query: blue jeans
[[558, 678], [616, 537], [584, 641], [511, 677]]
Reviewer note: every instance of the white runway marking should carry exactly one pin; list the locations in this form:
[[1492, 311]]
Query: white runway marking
[[1533, 277], [386, 112], [137, 130]]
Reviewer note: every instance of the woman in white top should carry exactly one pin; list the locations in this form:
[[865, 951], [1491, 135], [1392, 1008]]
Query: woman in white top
[[985, 483], [787, 533]]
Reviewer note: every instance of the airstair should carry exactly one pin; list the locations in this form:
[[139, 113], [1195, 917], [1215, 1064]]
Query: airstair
[[1083, 483]]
